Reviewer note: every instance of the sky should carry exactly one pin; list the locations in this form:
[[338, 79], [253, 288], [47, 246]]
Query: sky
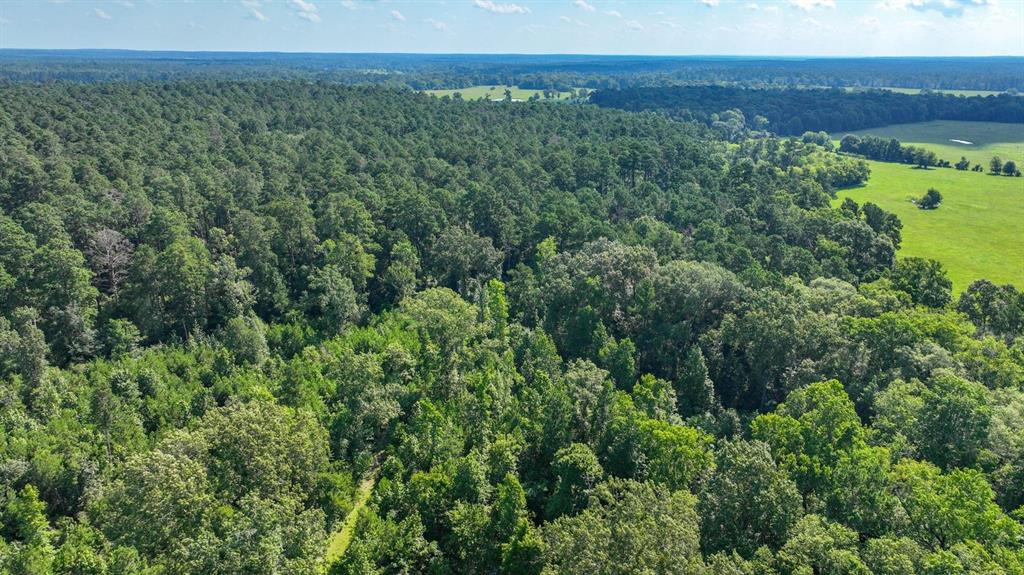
[[667, 27]]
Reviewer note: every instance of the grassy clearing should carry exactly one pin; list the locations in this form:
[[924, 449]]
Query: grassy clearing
[[977, 232], [987, 139], [338, 542], [495, 92], [954, 92]]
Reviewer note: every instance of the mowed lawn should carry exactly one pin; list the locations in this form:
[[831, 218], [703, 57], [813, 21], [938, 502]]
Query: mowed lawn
[[977, 232], [987, 139], [496, 92]]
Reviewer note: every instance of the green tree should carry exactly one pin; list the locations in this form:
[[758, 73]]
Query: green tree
[[577, 471], [631, 528], [995, 165], [924, 279], [748, 501], [25, 523], [953, 422], [931, 200], [945, 509]]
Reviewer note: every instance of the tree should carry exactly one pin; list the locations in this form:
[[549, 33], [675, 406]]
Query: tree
[[183, 272], [817, 545], [1010, 168], [332, 301], [994, 309], [748, 502], [811, 432], [62, 286], [110, 254], [400, 277], [860, 496], [995, 165], [695, 391], [25, 523], [630, 528], [946, 509], [931, 200], [953, 422], [963, 164], [924, 279], [577, 471]]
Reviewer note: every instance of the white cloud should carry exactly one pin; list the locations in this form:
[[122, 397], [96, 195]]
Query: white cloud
[[614, 13], [948, 8], [306, 10], [349, 4], [668, 24], [709, 3], [808, 5], [437, 24], [397, 16], [499, 8], [772, 9], [253, 6], [634, 25], [753, 6], [101, 14], [584, 5]]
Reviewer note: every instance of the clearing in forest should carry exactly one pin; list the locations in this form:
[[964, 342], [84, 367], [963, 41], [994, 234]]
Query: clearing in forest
[[986, 139], [975, 233], [497, 92]]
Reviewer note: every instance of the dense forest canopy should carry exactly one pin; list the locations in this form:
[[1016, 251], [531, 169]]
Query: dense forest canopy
[[559, 72], [791, 112], [550, 338]]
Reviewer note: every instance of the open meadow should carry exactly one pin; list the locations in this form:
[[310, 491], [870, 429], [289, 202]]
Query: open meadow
[[985, 139], [496, 92], [975, 233], [913, 91]]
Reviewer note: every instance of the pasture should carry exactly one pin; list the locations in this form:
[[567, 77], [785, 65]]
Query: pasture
[[975, 233], [953, 92], [986, 139], [495, 92]]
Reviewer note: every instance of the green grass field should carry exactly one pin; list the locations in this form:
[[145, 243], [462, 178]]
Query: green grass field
[[987, 139], [495, 92], [977, 232], [954, 92]]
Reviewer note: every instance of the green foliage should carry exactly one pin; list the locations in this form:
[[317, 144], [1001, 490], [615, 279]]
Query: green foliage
[[748, 502], [631, 527], [459, 337]]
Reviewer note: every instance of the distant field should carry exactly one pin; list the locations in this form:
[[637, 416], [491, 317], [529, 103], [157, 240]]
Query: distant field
[[975, 233], [496, 92], [954, 92], [987, 139]]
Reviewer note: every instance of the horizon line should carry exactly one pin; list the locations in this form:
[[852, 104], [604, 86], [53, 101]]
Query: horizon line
[[515, 54]]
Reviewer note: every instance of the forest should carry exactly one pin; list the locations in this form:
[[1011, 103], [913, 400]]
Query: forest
[[559, 72], [550, 339], [793, 111]]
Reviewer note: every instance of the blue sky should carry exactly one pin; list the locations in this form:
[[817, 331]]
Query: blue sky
[[684, 27]]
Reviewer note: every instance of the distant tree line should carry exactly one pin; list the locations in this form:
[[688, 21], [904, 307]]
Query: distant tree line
[[794, 111], [539, 72]]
